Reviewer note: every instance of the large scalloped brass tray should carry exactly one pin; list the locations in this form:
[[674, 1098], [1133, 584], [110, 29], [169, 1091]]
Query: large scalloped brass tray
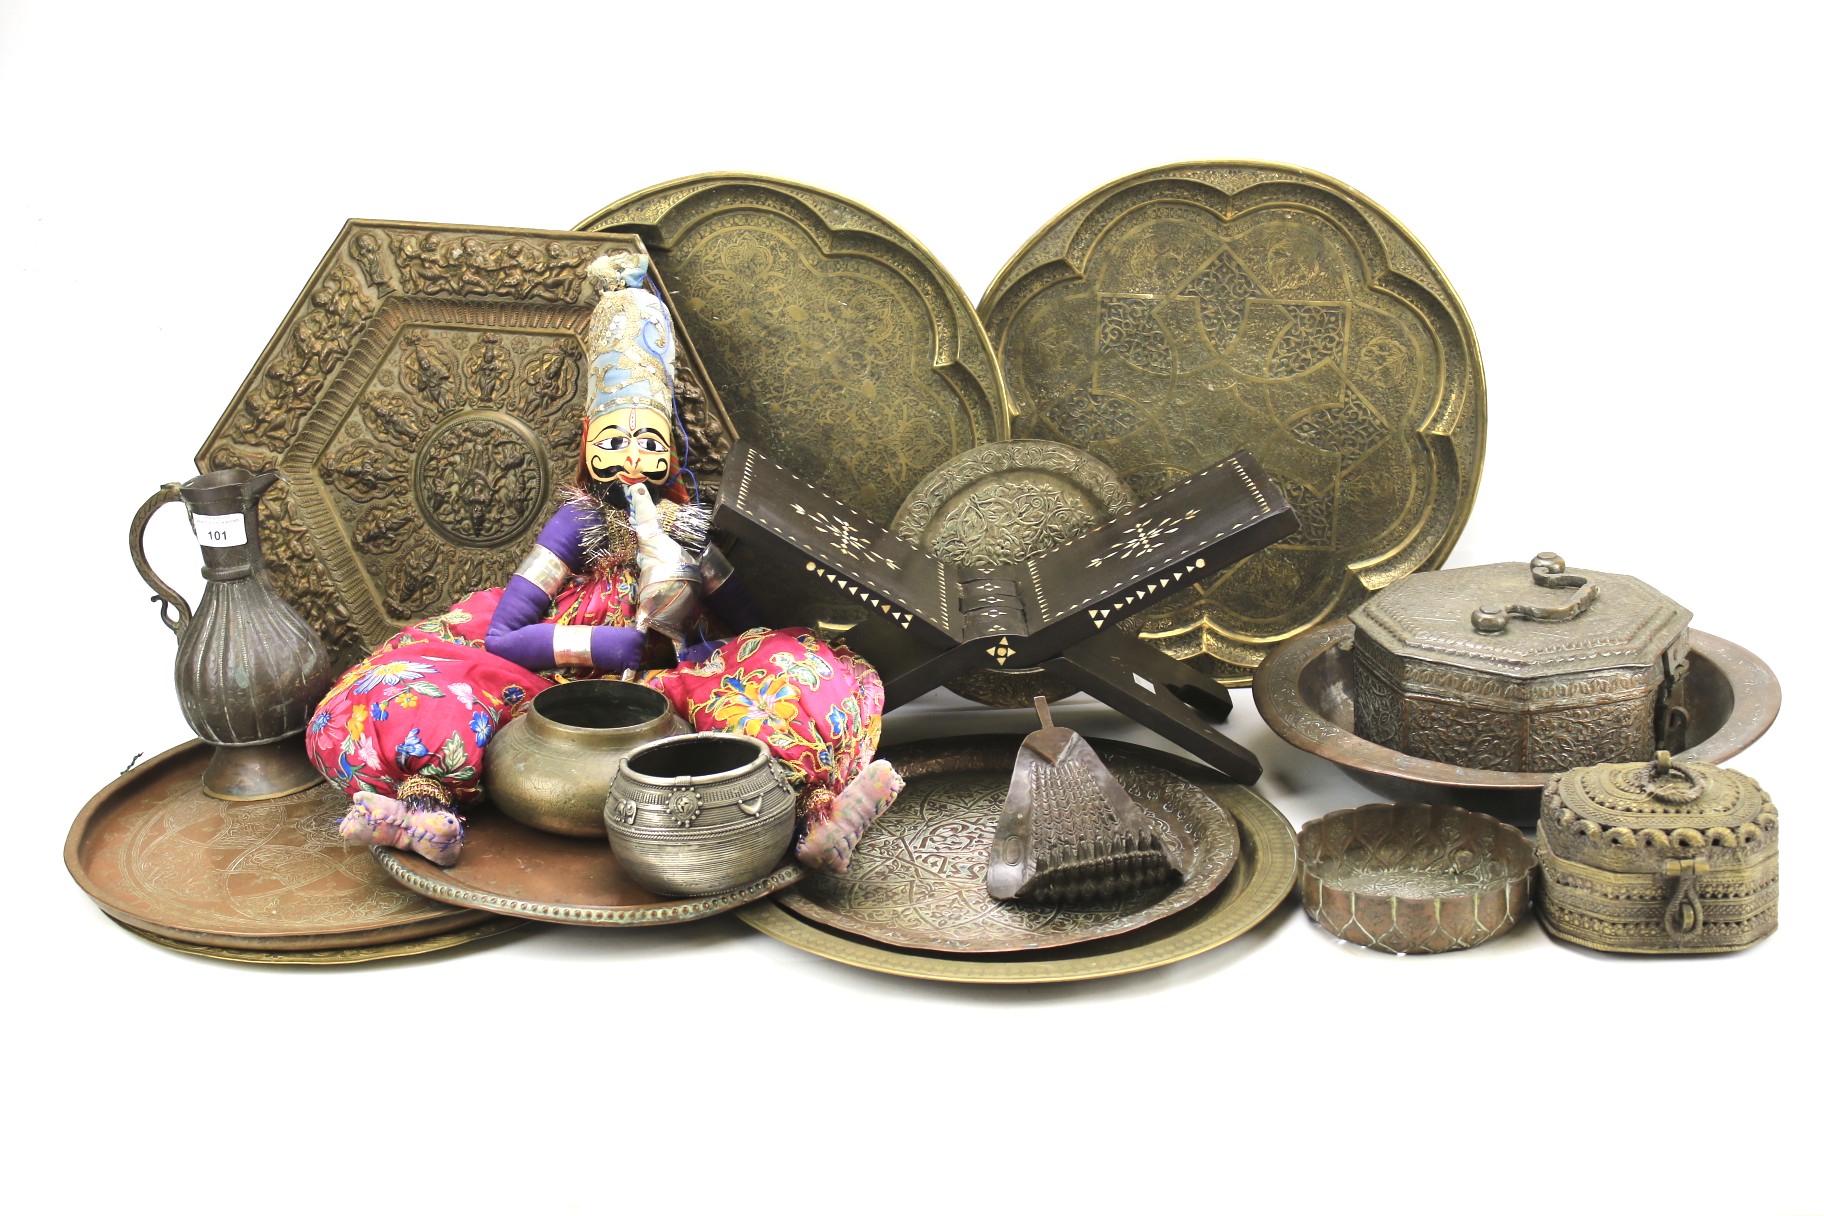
[[1264, 873], [423, 398], [917, 878], [1175, 315], [841, 347], [263, 881]]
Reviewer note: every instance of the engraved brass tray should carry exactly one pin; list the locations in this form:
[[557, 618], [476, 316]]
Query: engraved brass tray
[[238, 879], [424, 400], [515, 870], [1264, 873], [494, 926], [842, 348], [917, 878], [997, 503], [1180, 313], [1306, 692]]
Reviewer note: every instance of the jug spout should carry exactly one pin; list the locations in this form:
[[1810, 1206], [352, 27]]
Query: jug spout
[[256, 487]]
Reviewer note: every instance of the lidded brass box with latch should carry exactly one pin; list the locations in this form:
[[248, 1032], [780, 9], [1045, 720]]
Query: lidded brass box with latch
[[1658, 858], [1521, 667]]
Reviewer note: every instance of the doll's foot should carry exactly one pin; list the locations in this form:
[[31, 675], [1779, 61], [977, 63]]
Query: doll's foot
[[833, 825], [431, 832]]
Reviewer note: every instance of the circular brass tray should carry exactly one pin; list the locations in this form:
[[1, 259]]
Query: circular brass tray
[[515, 870], [493, 926], [1176, 315], [164, 858], [1306, 692], [843, 350], [1000, 502], [1262, 878], [917, 879]]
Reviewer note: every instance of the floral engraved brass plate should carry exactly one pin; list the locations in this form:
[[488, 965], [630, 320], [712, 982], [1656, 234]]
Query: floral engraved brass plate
[[842, 349], [1178, 314], [998, 503], [424, 400], [917, 878], [1263, 876], [269, 877]]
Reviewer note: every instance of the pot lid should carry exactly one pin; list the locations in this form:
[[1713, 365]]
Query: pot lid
[[1663, 793], [1524, 620]]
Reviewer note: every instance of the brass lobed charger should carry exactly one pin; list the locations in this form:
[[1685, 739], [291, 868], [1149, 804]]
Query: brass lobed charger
[[265, 881], [1180, 312], [840, 345], [1263, 875]]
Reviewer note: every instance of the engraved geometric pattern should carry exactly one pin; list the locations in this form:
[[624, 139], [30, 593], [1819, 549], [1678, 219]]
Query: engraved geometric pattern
[[917, 878], [1209, 307], [423, 400]]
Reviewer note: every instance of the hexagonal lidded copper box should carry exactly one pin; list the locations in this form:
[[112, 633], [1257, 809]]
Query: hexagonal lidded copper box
[[1520, 667], [424, 400]]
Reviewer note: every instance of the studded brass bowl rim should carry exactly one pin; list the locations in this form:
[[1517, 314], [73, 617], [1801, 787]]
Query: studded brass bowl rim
[[1474, 402], [1263, 876], [1283, 693]]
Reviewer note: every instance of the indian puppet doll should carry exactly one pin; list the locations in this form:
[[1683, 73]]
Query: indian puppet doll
[[622, 572]]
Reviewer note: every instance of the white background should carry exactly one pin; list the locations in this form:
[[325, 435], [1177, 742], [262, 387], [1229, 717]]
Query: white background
[[1623, 198]]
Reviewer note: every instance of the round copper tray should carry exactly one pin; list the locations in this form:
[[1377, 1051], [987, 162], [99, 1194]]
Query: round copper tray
[[1305, 691], [493, 926], [1262, 878], [1170, 317], [265, 877], [917, 878], [515, 870]]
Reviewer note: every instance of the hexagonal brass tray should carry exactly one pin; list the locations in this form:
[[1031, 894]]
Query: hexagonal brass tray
[[424, 400], [1180, 313]]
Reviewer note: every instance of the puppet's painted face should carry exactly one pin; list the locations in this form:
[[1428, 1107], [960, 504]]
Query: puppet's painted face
[[631, 446]]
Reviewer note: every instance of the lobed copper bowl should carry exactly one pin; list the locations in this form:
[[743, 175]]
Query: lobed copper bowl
[[1414, 879], [1306, 692]]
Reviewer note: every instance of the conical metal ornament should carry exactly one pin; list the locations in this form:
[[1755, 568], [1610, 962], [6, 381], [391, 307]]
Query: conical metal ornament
[[1069, 834]]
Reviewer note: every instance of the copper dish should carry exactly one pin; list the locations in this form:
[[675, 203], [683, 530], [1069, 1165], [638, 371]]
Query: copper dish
[[1414, 879], [236, 879], [917, 877], [1305, 691], [509, 868], [1262, 878]]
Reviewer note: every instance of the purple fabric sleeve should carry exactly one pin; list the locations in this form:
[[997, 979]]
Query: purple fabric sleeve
[[518, 631]]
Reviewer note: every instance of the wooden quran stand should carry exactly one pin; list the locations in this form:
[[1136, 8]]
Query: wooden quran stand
[[932, 620]]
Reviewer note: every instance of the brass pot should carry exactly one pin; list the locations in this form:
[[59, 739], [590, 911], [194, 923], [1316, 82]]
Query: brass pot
[[551, 767], [701, 814]]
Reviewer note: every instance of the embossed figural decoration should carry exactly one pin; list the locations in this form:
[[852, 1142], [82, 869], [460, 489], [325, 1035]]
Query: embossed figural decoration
[[424, 400], [1176, 314]]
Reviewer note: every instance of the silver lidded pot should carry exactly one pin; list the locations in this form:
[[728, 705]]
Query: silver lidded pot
[[249, 669], [1521, 667], [700, 814], [551, 767]]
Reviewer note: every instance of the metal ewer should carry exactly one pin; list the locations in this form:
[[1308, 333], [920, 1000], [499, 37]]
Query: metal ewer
[[249, 669], [700, 813]]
